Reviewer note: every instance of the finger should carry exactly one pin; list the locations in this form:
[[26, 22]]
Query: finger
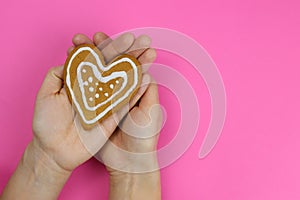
[[147, 58], [53, 82], [101, 40], [150, 97], [79, 39], [146, 79], [118, 46], [70, 49], [139, 46]]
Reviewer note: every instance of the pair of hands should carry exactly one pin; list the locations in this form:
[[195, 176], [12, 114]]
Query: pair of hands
[[66, 144], [60, 143]]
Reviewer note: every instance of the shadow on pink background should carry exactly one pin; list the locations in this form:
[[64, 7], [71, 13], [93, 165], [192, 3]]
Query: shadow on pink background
[[256, 46]]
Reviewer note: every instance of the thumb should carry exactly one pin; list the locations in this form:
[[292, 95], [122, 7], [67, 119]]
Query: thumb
[[53, 82], [150, 97]]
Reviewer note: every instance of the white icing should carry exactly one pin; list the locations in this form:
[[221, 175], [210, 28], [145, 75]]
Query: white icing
[[91, 89], [91, 99], [117, 82], [106, 94], [111, 86], [97, 83], [102, 79], [85, 83], [100, 88], [97, 95], [90, 79], [84, 71]]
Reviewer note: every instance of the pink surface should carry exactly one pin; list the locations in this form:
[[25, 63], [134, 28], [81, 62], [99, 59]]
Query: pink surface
[[256, 46]]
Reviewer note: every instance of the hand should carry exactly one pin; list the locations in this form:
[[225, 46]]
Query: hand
[[132, 176], [132, 147]]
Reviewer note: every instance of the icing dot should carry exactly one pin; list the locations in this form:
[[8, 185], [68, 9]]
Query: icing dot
[[117, 81], [111, 86], [97, 95], [85, 83], [90, 79], [100, 88], [91, 89], [91, 99], [97, 83], [106, 94], [84, 71]]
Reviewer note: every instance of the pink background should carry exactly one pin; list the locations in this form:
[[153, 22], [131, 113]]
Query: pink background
[[256, 46]]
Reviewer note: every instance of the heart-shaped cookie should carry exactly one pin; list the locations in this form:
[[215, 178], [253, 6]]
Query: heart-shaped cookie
[[95, 89]]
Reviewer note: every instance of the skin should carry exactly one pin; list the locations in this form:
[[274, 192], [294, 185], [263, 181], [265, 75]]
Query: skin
[[59, 145]]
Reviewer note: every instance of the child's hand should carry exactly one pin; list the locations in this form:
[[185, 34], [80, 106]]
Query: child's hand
[[56, 132]]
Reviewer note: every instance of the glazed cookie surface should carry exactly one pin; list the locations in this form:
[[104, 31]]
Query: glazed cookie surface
[[96, 89]]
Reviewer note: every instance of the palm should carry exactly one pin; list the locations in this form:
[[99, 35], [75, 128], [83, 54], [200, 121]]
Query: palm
[[56, 132], [131, 141]]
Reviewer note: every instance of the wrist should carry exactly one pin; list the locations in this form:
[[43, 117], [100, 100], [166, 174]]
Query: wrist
[[132, 163], [135, 186], [132, 178], [36, 177], [42, 167]]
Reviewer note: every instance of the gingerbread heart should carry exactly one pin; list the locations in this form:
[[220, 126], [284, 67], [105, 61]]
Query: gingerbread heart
[[95, 89]]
